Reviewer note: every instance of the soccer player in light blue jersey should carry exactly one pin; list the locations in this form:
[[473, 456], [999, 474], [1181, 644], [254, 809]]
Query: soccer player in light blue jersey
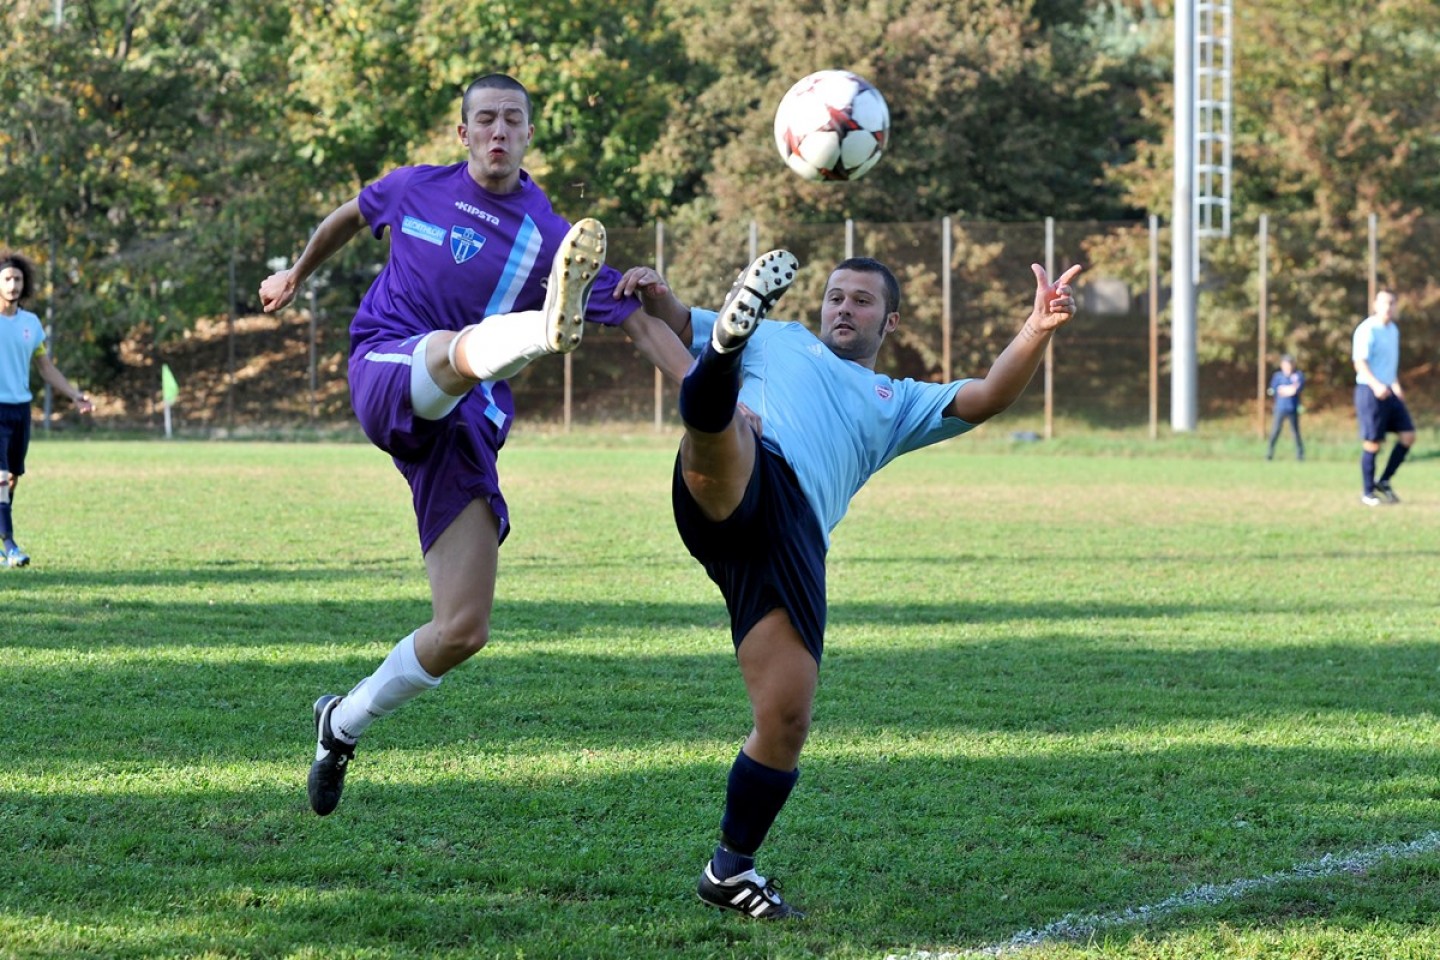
[[22, 340], [1379, 402], [482, 278], [757, 508]]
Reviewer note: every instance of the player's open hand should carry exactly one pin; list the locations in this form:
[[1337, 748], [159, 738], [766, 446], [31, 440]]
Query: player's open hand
[[643, 282], [277, 291], [1054, 302]]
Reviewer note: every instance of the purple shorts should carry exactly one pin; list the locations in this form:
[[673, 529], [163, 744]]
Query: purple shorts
[[447, 462]]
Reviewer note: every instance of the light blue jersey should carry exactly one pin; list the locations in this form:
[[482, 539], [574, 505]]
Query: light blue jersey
[[21, 337], [1378, 344], [835, 422]]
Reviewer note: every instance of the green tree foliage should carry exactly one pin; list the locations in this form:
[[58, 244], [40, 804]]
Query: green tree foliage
[[159, 147], [130, 144], [377, 85], [999, 110], [1330, 126]]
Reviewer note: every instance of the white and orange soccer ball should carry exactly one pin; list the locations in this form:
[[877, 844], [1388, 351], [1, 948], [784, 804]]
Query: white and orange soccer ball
[[832, 125]]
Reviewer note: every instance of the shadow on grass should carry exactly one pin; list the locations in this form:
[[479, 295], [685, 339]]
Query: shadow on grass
[[39, 582], [882, 852], [983, 784], [583, 673], [50, 622]]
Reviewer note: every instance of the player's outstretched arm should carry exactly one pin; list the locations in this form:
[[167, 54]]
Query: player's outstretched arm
[[657, 343], [660, 329], [981, 399], [336, 230]]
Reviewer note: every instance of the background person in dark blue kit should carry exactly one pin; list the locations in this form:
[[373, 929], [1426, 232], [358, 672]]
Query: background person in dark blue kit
[[1285, 387]]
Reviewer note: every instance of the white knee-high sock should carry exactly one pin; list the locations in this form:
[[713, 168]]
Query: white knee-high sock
[[399, 679], [502, 346]]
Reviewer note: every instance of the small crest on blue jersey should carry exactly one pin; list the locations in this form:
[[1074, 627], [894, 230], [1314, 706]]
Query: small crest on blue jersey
[[883, 391], [465, 243], [429, 232]]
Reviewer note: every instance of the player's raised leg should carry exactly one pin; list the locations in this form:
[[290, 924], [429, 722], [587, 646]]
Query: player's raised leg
[[717, 453], [502, 345]]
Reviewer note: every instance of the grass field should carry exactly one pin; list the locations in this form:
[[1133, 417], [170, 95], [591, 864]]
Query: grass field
[[1062, 692]]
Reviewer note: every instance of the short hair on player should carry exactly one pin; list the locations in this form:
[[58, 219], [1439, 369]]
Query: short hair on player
[[27, 272], [493, 81], [869, 265]]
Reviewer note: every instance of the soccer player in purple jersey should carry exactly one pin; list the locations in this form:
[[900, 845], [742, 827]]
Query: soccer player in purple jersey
[[462, 303]]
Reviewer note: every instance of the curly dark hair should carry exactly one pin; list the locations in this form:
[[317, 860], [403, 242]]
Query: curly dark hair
[[26, 268]]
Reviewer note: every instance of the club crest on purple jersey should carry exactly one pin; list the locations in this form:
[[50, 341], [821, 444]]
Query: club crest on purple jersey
[[465, 243]]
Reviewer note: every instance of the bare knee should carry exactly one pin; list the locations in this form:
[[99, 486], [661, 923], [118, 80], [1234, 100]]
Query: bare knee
[[784, 727], [460, 636]]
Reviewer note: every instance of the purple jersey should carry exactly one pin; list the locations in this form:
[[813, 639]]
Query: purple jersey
[[459, 253]]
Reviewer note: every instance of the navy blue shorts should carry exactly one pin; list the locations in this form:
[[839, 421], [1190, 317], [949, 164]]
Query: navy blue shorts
[[768, 554], [1378, 417], [14, 436]]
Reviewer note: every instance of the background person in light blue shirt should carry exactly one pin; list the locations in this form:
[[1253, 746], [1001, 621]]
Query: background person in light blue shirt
[[1379, 402], [756, 508], [22, 341]]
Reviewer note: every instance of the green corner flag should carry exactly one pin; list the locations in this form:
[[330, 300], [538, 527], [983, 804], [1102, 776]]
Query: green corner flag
[[169, 389]]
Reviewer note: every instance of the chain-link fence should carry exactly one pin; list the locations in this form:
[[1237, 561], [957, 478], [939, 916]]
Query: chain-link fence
[[966, 288]]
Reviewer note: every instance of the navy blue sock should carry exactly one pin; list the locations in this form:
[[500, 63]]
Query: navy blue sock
[[7, 529], [1397, 457], [710, 390], [726, 863], [754, 795], [1367, 472]]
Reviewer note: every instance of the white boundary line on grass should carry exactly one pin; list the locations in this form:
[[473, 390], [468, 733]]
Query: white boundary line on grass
[[1077, 926]]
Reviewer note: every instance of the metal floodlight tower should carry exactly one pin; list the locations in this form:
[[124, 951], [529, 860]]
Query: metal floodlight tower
[[1201, 202], [1212, 120]]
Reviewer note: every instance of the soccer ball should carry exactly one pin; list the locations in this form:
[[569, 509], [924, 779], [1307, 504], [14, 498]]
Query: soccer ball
[[832, 125]]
